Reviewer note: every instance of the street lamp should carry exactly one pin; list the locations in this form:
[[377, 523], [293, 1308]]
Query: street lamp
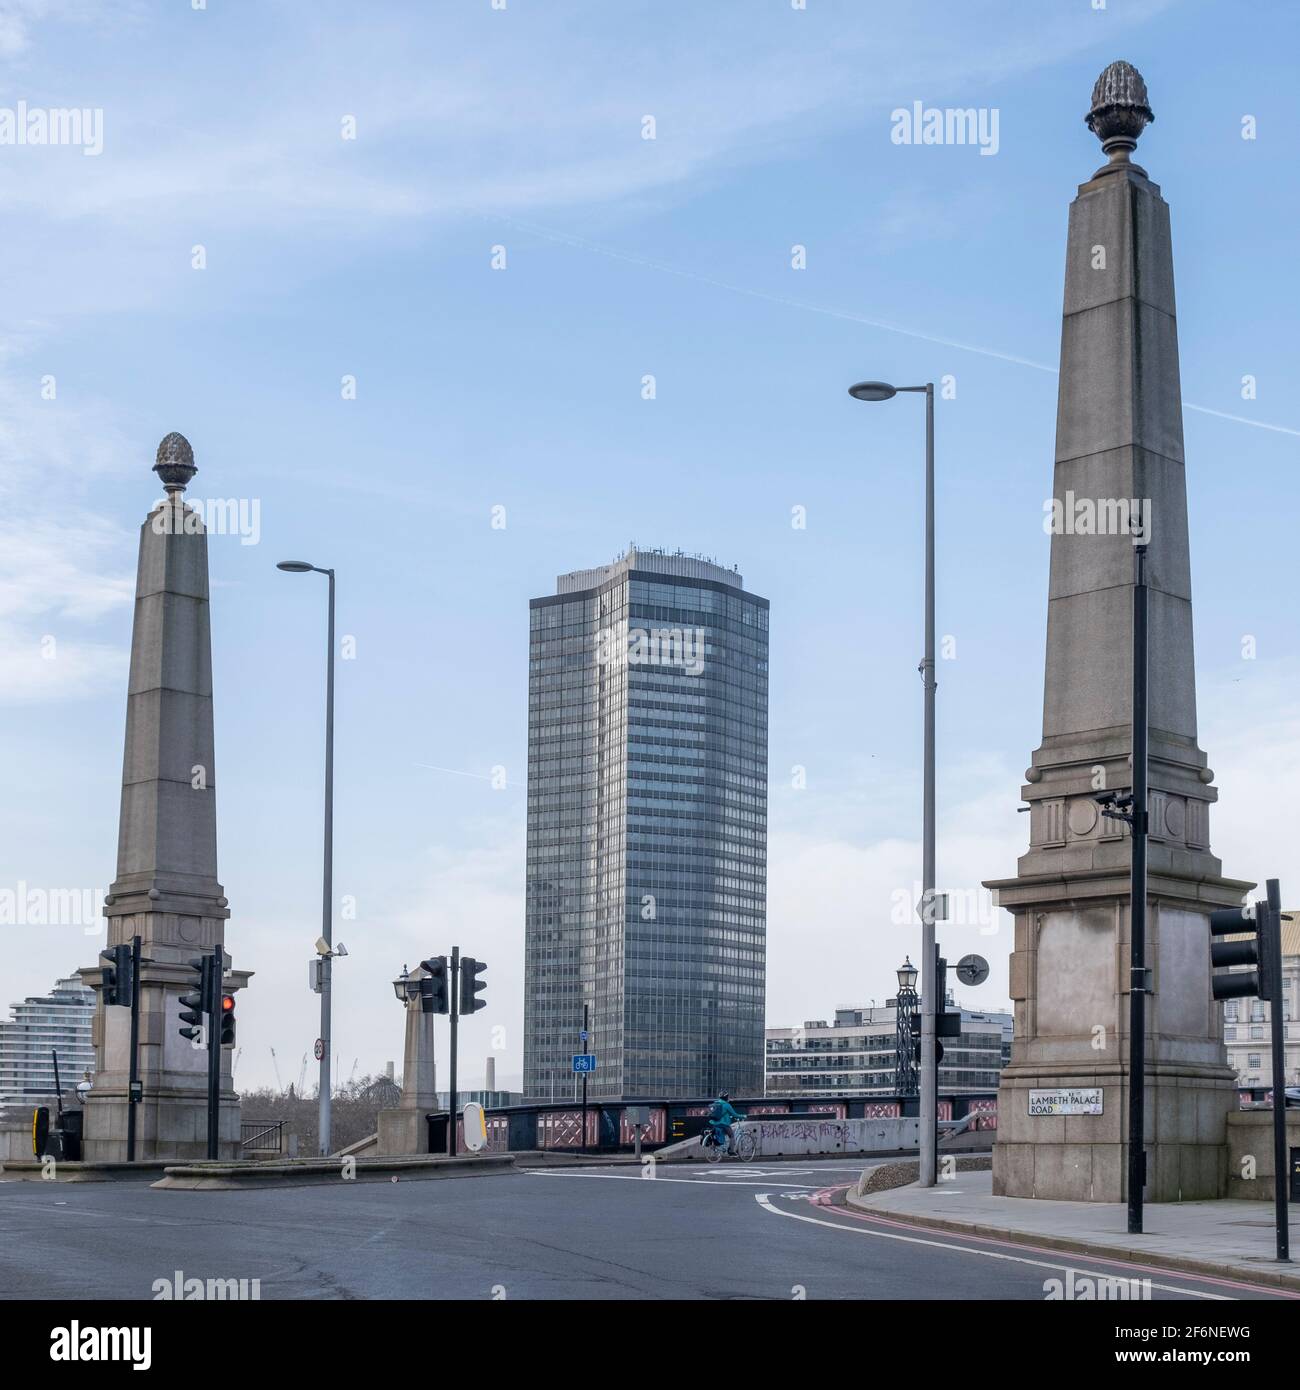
[[327, 888], [883, 391], [905, 1030], [402, 986]]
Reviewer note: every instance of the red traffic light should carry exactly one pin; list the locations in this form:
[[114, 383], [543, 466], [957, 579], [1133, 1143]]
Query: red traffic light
[[227, 1029]]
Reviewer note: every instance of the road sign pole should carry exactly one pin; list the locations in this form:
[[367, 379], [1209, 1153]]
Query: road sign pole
[[453, 1011], [586, 1016], [133, 1075]]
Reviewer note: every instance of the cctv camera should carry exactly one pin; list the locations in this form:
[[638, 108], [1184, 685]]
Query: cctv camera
[[322, 946], [340, 949]]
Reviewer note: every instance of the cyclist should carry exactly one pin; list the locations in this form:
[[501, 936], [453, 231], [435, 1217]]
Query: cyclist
[[721, 1118]]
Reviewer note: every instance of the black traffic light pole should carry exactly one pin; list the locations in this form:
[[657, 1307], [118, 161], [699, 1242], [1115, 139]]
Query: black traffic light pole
[[453, 1010], [133, 1076], [1137, 1022], [1271, 943], [216, 970]]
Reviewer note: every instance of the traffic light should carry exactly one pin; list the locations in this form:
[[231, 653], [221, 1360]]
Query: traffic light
[[227, 1020], [119, 986], [471, 986], [433, 986], [1236, 940], [198, 1001]]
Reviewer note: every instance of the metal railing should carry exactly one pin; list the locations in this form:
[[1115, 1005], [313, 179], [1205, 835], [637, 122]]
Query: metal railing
[[261, 1137]]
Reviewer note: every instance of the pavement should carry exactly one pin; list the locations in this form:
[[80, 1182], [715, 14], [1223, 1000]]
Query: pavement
[[597, 1231], [1232, 1240]]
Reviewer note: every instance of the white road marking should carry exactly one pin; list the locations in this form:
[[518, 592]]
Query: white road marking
[[636, 1177], [764, 1200]]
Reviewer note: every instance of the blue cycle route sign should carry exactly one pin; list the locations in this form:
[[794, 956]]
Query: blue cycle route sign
[[584, 1061]]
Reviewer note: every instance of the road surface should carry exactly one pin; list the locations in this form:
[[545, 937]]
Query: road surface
[[735, 1231]]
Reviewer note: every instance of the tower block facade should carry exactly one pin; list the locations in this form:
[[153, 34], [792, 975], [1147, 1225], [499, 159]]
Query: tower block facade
[[1119, 480], [166, 890]]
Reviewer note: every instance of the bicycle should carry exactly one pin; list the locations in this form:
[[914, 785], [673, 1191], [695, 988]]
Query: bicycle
[[744, 1145]]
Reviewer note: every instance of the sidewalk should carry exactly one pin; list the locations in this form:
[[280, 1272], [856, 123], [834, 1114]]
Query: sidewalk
[[1230, 1239]]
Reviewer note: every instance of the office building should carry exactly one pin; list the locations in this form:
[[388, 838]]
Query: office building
[[856, 1055], [647, 830]]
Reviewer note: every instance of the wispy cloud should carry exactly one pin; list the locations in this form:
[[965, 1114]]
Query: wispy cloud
[[62, 563]]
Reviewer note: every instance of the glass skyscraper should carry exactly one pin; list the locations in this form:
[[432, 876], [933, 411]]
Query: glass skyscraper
[[647, 830]]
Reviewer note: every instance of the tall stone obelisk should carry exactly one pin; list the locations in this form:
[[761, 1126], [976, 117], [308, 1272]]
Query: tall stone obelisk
[[1119, 469], [166, 890]]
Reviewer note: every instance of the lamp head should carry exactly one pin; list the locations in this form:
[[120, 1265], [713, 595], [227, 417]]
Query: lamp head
[[872, 391], [295, 566]]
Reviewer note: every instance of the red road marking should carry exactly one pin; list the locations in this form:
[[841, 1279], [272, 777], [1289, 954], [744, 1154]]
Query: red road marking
[[825, 1196]]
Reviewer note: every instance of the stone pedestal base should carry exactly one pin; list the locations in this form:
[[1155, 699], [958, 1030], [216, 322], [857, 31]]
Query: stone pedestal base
[[402, 1131], [168, 1124], [1083, 1158]]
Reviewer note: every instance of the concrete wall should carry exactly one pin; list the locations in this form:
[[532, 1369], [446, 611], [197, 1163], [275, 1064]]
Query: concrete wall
[[16, 1140], [1250, 1150], [814, 1136]]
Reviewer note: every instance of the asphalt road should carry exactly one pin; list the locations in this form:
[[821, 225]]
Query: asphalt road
[[602, 1232]]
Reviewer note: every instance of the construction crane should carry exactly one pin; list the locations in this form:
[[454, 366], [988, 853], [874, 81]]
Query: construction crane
[[279, 1084], [353, 1072], [302, 1075]]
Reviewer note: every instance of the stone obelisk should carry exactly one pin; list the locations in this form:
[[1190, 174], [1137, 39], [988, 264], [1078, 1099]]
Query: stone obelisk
[[1119, 478], [403, 1128], [166, 890]]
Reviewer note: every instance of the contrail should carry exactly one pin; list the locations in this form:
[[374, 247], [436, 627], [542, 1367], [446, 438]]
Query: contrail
[[456, 772], [632, 259], [582, 244]]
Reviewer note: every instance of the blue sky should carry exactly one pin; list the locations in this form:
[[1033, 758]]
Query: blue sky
[[522, 388]]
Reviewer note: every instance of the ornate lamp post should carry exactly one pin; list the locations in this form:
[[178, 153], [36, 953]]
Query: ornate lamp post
[[905, 1030]]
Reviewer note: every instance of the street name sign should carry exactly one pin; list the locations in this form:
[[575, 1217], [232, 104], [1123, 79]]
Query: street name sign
[[1071, 1101]]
